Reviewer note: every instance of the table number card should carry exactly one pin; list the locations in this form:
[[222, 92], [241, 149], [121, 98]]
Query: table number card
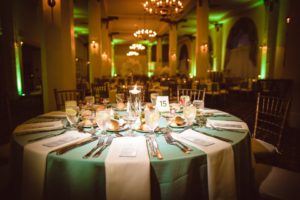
[[162, 104]]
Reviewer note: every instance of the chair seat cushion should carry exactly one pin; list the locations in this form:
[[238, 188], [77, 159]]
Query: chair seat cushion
[[277, 183], [261, 148]]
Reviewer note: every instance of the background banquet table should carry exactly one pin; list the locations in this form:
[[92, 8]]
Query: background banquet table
[[177, 176]]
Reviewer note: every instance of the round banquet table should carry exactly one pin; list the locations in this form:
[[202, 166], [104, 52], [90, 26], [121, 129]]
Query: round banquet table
[[177, 176]]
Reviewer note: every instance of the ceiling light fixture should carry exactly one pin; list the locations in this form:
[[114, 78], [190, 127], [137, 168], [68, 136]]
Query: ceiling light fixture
[[132, 53], [164, 8], [137, 47], [144, 34]]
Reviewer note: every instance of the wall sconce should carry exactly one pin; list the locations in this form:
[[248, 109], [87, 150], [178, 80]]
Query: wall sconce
[[173, 56], [94, 44], [51, 3], [76, 59], [88, 63], [104, 56], [204, 48], [288, 20]]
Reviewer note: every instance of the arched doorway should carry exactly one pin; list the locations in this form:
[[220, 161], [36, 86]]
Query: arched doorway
[[241, 50], [183, 66]]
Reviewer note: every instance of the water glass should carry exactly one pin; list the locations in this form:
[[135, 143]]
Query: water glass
[[153, 97], [199, 104], [71, 112], [185, 100], [130, 120], [102, 119], [189, 113], [152, 119]]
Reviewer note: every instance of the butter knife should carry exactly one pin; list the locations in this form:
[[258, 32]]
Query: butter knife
[[158, 153], [152, 151], [65, 149]]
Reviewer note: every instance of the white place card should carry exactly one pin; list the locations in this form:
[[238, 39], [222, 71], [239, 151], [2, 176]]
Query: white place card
[[128, 150], [162, 104]]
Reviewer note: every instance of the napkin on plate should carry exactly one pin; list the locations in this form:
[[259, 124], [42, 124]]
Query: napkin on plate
[[127, 169], [38, 127], [34, 161], [220, 163], [226, 124]]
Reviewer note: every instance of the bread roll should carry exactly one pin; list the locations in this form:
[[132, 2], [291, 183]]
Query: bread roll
[[114, 125], [100, 108], [149, 106], [120, 105], [179, 121]]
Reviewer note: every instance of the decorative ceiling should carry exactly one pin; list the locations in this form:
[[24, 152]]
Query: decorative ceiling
[[131, 16]]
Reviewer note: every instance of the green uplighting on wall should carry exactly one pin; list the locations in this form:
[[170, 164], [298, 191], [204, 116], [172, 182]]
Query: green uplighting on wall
[[81, 30], [151, 67], [193, 68], [263, 66], [117, 41], [215, 64], [113, 69], [18, 69]]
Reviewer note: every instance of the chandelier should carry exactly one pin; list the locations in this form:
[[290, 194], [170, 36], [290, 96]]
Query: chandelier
[[132, 53], [164, 8], [144, 34], [137, 47]]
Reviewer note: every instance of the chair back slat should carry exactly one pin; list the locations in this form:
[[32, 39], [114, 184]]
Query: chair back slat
[[194, 94], [270, 118], [67, 95]]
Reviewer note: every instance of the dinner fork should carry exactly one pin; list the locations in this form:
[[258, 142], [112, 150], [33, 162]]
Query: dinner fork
[[106, 144], [98, 145], [172, 142]]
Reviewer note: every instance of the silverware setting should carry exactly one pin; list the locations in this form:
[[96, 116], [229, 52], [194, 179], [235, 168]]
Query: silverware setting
[[153, 147], [98, 145], [170, 140], [107, 142], [67, 148]]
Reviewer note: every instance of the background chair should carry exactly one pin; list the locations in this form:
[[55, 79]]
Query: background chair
[[100, 90], [276, 183], [193, 94], [67, 95], [270, 118]]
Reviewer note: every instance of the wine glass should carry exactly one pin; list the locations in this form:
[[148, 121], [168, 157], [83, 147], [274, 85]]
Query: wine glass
[[153, 97], [152, 119], [72, 115], [120, 97], [102, 119], [130, 120], [189, 113]]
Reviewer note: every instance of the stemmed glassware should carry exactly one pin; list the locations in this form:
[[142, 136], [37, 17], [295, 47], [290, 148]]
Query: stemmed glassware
[[130, 120], [71, 112], [189, 113], [102, 119], [152, 119]]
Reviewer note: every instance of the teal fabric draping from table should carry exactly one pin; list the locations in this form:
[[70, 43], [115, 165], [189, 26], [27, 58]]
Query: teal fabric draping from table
[[178, 176]]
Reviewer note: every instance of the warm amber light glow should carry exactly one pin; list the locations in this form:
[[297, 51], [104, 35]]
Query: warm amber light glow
[[204, 48], [164, 8]]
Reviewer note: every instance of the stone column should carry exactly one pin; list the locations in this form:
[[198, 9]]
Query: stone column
[[95, 39], [159, 52], [58, 50], [173, 48], [202, 57]]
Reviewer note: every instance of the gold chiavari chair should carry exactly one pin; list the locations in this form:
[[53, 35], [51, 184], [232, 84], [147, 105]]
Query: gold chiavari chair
[[67, 95], [193, 94], [100, 90], [270, 118]]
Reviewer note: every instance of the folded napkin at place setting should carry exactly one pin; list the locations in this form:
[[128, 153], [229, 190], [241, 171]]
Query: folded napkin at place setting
[[54, 114], [127, 169], [34, 161], [38, 127], [220, 163], [226, 124]]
